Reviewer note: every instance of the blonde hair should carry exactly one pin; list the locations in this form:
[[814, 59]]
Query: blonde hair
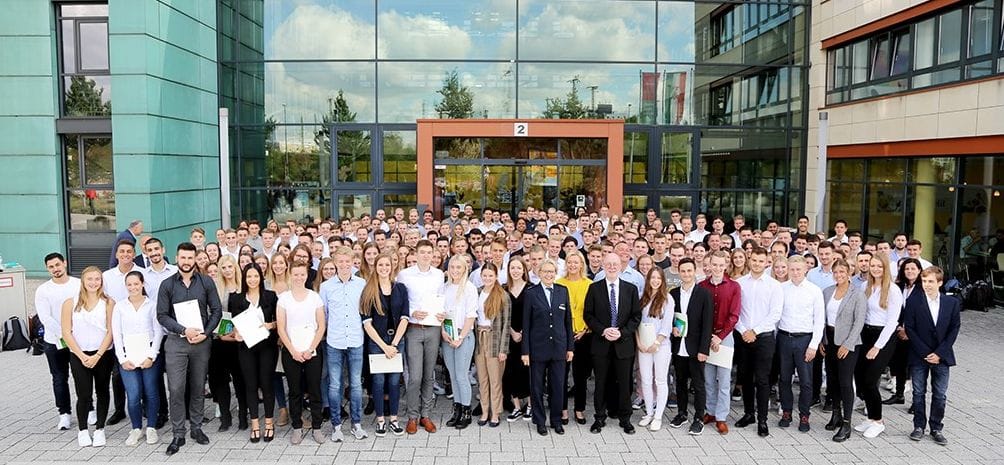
[[82, 300], [271, 277], [221, 282], [463, 278], [884, 284], [370, 298]]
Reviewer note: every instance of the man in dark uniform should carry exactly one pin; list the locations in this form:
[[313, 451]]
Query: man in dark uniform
[[548, 345]]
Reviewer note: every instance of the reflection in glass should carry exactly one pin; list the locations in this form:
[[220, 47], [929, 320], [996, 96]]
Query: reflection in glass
[[635, 157], [949, 36], [301, 205], [354, 205], [405, 201], [502, 190], [613, 90], [744, 158], [583, 149], [676, 154], [586, 30], [87, 96], [456, 147], [91, 209], [524, 148], [98, 161], [399, 156], [317, 30], [409, 91], [93, 46], [446, 29], [590, 182], [981, 28], [293, 155], [668, 203], [637, 204], [678, 32], [83, 10], [540, 186], [305, 92], [353, 150], [461, 185], [923, 55]]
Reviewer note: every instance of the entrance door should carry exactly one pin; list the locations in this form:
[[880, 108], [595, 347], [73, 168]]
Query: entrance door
[[512, 187]]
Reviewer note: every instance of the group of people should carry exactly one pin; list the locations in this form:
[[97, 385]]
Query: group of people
[[537, 307]]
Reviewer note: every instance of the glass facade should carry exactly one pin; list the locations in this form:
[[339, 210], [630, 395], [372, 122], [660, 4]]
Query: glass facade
[[926, 197], [324, 95]]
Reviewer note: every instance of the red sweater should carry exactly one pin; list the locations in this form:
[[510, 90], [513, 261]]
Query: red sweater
[[726, 296]]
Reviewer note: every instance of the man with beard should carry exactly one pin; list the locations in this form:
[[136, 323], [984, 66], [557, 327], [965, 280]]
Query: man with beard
[[158, 271], [49, 300]]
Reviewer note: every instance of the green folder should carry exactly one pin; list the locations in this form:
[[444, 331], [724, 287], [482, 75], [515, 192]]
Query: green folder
[[449, 328]]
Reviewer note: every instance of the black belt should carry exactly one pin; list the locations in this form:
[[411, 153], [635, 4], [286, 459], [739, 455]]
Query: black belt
[[874, 328], [785, 333]]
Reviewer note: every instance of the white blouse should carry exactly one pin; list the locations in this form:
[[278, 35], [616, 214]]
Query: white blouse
[[888, 317], [89, 326], [463, 306], [127, 319]]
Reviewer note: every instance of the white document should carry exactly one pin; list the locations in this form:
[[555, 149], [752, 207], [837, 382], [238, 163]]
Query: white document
[[646, 334], [722, 358], [250, 325], [379, 363], [433, 304], [301, 337], [188, 314], [137, 347]]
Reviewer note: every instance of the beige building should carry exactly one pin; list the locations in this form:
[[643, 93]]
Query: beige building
[[907, 100]]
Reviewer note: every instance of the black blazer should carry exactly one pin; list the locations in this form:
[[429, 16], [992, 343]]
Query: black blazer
[[700, 321], [547, 329], [597, 315], [236, 304], [926, 335]]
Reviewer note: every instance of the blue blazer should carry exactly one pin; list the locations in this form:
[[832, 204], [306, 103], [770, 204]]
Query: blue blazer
[[547, 329], [926, 335]]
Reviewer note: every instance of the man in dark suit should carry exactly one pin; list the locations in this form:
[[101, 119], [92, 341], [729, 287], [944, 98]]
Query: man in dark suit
[[689, 357], [548, 345], [931, 320], [613, 314], [131, 235]]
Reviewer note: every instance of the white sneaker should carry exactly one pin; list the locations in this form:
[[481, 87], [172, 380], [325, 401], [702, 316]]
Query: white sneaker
[[656, 425], [134, 437], [890, 386], [151, 436], [874, 430], [336, 434], [92, 418], [217, 412], [645, 421], [99, 438], [863, 426], [64, 421], [83, 438], [358, 431]]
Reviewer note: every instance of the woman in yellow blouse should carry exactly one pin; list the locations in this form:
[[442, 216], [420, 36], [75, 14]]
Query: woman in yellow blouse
[[577, 282]]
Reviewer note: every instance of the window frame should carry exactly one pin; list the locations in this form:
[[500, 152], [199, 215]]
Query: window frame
[[62, 74]]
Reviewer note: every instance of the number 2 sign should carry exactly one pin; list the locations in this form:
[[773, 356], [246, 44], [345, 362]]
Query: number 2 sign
[[521, 129]]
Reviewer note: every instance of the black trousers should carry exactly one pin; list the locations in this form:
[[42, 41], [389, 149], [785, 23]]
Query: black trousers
[[754, 372], [610, 368], [304, 376], [868, 372], [689, 369], [257, 368], [550, 375], [840, 376], [90, 383], [59, 367], [223, 371], [582, 367], [898, 365], [118, 389]]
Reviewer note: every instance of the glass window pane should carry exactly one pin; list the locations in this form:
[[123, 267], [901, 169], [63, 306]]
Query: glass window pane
[[676, 152], [446, 29], [70, 142], [300, 205], [354, 205], [409, 91], [295, 156], [574, 91], [604, 30], [399, 156], [949, 36], [320, 29], [91, 209], [859, 67], [845, 203], [304, 92], [744, 158], [68, 40], [938, 170], [93, 46], [456, 147], [460, 185], [635, 157], [353, 154], [87, 96], [637, 204], [525, 148], [923, 55], [405, 201], [674, 202], [583, 149], [677, 94], [880, 57], [98, 161], [83, 10], [749, 32], [590, 182], [901, 53], [981, 27], [845, 169], [678, 31]]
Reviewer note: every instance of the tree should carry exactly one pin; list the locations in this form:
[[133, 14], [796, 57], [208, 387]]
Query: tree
[[568, 108], [458, 101], [83, 98], [353, 146]]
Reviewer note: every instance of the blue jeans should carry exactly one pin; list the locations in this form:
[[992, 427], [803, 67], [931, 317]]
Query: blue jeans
[[336, 361], [458, 362], [141, 388], [939, 393], [389, 381], [717, 386]]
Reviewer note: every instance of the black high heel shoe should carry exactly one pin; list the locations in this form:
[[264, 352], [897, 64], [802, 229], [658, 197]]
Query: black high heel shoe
[[269, 432], [580, 420], [255, 435]]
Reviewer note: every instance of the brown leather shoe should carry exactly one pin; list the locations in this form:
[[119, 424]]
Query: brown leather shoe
[[427, 424], [412, 427], [723, 427], [708, 419]]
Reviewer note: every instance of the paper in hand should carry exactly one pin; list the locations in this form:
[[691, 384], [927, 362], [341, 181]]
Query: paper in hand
[[249, 325], [379, 363], [646, 334], [137, 347], [722, 358], [189, 315]]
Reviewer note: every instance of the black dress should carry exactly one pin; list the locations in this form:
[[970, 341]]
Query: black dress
[[516, 379]]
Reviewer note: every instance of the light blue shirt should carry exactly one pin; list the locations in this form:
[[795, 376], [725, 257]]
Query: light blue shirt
[[629, 274], [820, 278], [341, 306]]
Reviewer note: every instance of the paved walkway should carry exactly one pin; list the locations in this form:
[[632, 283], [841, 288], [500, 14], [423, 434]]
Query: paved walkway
[[975, 410]]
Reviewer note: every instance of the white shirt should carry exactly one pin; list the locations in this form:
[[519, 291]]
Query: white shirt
[[475, 277], [832, 310], [696, 236], [127, 320], [482, 319], [888, 318], [762, 301], [90, 326], [684, 305], [935, 305], [663, 326], [420, 285], [152, 279], [629, 274], [803, 311], [461, 303], [113, 283], [561, 266], [49, 298], [300, 314]]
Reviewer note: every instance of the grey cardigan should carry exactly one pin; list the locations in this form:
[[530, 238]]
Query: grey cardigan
[[850, 316]]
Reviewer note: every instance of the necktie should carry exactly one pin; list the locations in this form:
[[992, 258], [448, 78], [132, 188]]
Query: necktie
[[547, 293], [613, 305]]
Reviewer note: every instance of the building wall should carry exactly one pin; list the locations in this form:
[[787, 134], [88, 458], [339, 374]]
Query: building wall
[[165, 119], [30, 189]]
